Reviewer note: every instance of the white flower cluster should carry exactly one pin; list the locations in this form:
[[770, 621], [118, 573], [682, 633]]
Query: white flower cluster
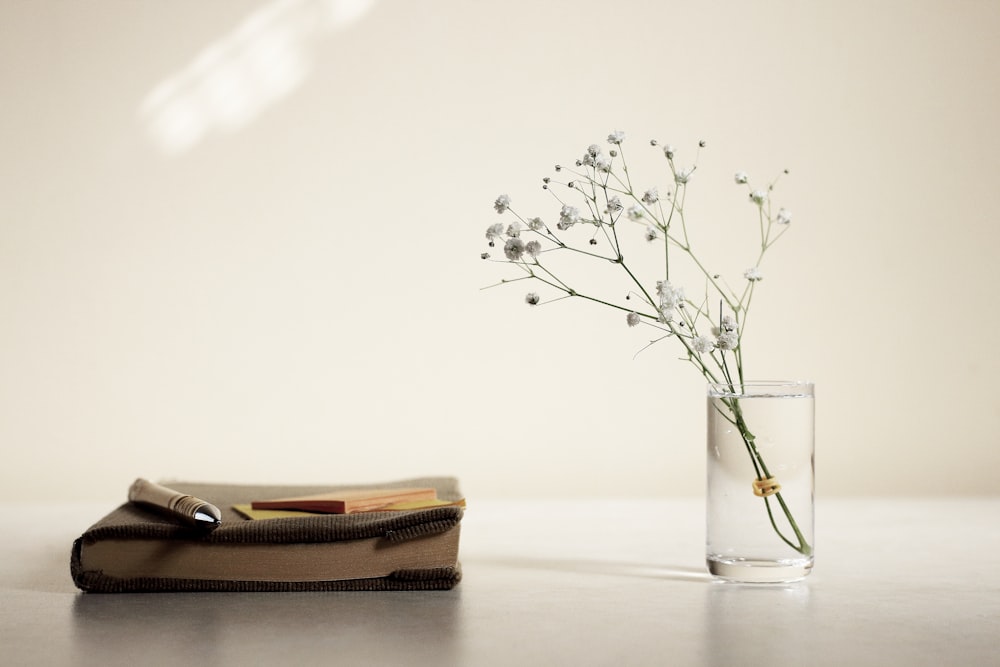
[[606, 198], [702, 344], [682, 176], [726, 337], [671, 298], [595, 157], [514, 249], [502, 204], [760, 197], [603, 231], [568, 216]]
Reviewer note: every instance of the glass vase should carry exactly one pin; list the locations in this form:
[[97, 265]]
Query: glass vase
[[760, 481]]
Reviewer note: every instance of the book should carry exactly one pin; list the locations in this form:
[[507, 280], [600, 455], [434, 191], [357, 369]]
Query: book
[[136, 549], [347, 501]]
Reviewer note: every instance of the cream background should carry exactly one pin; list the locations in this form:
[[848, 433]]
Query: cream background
[[286, 286]]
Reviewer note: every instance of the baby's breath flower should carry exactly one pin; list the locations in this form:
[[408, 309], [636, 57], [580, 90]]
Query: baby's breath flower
[[701, 344], [485, 255], [670, 297], [502, 203], [568, 216], [712, 341], [513, 249], [727, 340], [725, 334]]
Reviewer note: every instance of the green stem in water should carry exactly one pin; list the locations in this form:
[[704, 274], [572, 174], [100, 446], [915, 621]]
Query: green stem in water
[[760, 468]]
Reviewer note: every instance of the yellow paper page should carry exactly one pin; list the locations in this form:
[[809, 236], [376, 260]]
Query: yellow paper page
[[250, 513]]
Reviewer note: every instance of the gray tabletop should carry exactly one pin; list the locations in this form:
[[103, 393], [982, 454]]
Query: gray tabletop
[[588, 582]]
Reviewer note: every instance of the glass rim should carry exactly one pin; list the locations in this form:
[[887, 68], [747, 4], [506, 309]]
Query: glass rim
[[744, 388]]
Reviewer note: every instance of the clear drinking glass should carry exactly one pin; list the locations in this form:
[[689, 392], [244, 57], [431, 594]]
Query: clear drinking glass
[[760, 481]]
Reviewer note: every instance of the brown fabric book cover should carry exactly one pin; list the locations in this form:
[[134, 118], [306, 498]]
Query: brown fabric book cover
[[135, 549]]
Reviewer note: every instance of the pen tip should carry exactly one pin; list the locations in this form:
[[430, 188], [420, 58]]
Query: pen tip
[[207, 519]]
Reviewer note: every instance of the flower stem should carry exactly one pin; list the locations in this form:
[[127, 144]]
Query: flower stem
[[600, 181], [749, 440]]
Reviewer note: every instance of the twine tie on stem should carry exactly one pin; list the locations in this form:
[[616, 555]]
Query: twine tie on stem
[[762, 488]]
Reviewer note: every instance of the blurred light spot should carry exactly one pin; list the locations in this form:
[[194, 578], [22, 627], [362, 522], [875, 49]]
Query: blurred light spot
[[344, 12], [236, 78]]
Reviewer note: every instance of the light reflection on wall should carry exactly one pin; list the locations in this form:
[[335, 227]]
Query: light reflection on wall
[[236, 78]]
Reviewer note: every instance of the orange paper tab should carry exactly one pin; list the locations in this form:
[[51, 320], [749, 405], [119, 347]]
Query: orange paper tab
[[346, 502]]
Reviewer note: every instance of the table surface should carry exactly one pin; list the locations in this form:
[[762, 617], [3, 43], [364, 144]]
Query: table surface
[[896, 582]]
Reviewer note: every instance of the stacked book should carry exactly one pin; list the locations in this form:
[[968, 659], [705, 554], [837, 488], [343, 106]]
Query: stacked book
[[271, 538]]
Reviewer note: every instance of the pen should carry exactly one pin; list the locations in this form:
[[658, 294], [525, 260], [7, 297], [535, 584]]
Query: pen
[[187, 508]]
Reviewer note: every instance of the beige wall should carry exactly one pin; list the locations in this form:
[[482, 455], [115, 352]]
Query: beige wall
[[240, 241]]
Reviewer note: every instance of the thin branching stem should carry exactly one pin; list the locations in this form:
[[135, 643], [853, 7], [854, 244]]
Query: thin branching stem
[[601, 181]]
